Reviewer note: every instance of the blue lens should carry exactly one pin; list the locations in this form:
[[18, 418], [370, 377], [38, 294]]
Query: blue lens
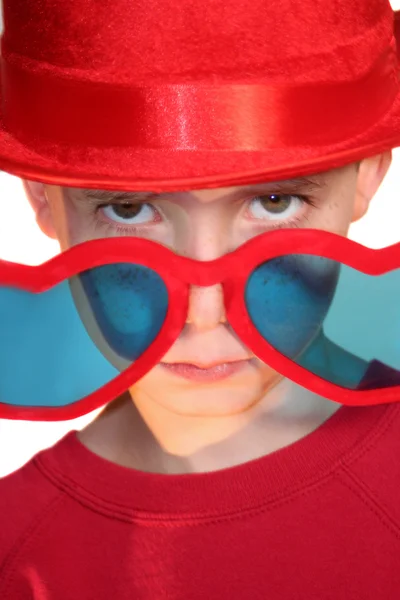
[[333, 320], [130, 305], [58, 346]]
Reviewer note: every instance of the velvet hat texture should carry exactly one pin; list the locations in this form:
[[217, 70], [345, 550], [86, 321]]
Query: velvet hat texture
[[160, 95]]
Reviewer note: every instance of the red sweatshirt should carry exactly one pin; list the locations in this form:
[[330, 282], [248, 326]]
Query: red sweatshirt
[[319, 520]]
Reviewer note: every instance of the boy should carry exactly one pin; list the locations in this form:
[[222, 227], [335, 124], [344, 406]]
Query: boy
[[213, 477]]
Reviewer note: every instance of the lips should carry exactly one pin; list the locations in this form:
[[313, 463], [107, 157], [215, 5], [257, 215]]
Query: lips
[[206, 373], [210, 364]]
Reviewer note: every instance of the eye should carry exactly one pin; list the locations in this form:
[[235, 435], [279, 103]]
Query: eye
[[129, 213], [275, 206]]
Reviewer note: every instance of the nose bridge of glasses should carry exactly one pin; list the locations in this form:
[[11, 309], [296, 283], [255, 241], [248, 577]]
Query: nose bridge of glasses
[[205, 273]]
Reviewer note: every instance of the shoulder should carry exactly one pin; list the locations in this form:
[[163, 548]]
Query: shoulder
[[375, 466], [25, 497]]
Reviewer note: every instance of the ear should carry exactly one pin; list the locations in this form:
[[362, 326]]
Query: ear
[[371, 173], [36, 194]]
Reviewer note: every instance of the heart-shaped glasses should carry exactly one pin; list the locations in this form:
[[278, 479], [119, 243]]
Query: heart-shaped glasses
[[79, 330]]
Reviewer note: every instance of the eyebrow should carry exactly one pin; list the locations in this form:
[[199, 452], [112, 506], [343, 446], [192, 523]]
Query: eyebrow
[[297, 184], [106, 195]]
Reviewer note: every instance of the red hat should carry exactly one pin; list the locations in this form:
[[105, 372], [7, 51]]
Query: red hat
[[158, 95]]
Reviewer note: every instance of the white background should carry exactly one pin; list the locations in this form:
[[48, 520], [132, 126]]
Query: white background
[[21, 241]]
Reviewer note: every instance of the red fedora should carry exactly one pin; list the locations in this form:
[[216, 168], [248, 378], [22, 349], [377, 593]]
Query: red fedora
[[158, 95]]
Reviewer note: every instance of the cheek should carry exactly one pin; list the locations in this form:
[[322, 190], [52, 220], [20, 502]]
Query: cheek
[[68, 228], [77, 228], [335, 215]]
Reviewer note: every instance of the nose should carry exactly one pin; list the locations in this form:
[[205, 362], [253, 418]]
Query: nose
[[206, 307]]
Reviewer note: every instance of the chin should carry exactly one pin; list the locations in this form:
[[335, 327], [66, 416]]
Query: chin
[[204, 401]]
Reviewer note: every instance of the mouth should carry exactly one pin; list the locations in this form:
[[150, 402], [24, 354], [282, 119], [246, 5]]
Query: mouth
[[206, 373]]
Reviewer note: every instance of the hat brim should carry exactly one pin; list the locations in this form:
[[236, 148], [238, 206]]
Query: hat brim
[[164, 170]]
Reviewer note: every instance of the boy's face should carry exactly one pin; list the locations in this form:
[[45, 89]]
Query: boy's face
[[214, 373]]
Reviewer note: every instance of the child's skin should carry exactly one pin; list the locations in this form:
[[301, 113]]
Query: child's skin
[[179, 426]]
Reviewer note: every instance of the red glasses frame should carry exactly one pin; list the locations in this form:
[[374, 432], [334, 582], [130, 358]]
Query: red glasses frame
[[179, 273]]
